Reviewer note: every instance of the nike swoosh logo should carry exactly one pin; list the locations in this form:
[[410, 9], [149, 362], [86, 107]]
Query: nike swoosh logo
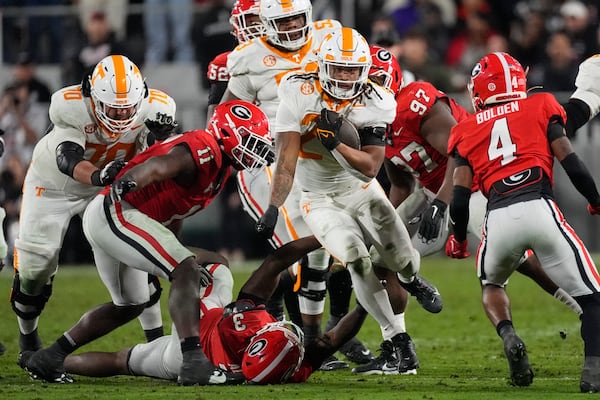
[[365, 352], [435, 211], [217, 378]]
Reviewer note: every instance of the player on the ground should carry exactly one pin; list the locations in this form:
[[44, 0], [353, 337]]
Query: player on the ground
[[508, 146], [96, 128], [126, 224]]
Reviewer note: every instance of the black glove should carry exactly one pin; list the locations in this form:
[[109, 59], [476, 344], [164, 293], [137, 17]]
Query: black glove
[[121, 187], [1, 146], [205, 276], [107, 175], [327, 130], [265, 226], [431, 221], [162, 128]]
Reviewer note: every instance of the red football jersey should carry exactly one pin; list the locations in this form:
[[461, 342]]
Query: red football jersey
[[167, 201], [506, 139], [406, 148], [224, 339], [217, 69]]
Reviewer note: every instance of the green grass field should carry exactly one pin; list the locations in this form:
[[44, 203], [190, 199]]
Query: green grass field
[[461, 356]]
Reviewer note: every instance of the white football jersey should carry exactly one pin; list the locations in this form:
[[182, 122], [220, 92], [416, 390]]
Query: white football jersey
[[73, 120], [256, 67], [302, 100]]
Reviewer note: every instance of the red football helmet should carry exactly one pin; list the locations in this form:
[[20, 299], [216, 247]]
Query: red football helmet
[[243, 133], [244, 28], [497, 78], [274, 353], [384, 64]]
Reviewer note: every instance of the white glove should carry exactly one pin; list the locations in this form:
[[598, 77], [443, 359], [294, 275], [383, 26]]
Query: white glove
[[588, 84]]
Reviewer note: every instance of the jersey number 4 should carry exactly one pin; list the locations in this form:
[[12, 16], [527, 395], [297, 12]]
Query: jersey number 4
[[501, 144]]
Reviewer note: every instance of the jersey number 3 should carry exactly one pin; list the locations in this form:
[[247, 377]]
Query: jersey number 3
[[501, 144]]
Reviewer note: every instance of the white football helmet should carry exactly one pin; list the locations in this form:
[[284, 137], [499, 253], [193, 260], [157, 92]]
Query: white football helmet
[[273, 11], [116, 88], [344, 49]]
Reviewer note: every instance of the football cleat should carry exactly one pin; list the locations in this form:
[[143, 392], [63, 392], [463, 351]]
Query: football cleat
[[356, 352], [46, 365], [518, 362], [590, 376], [426, 294], [2, 349], [386, 363], [405, 353], [332, 363], [196, 369]]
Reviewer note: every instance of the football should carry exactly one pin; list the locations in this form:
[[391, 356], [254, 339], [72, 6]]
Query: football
[[348, 134]]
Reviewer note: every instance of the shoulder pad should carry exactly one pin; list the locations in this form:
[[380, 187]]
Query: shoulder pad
[[68, 108]]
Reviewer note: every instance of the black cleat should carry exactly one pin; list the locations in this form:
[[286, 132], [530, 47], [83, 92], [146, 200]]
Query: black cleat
[[196, 369], [406, 354], [427, 295], [590, 376], [2, 349], [333, 364], [23, 357], [45, 365], [518, 362], [386, 363], [356, 352]]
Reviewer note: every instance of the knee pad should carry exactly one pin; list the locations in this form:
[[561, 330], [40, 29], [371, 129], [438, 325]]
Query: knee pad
[[155, 290], [313, 284], [29, 306]]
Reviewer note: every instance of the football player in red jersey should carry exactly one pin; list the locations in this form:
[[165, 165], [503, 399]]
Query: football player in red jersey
[[508, 146], [126, 225], [263, 349]]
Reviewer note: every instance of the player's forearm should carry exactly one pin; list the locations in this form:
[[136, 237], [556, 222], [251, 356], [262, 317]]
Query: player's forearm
[[83, 172], [459, 211]]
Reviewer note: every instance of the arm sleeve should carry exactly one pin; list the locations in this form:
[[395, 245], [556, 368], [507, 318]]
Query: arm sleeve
[[459, 212], [578, 113], [215, 91], [581, 178]]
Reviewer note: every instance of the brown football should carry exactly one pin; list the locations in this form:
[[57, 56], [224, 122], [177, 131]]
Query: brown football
[[348, 134]]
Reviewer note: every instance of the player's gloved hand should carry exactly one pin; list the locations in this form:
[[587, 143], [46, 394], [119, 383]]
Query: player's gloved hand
[[431, 221], [205, 276], [593, 210], [121, 187], [456, 249], [1, 143], [265, 226], [327, 130], [162, 128], [107, 175]]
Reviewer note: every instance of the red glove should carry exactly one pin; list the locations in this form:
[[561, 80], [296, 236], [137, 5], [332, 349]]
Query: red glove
[[456, 249], [593, 210]]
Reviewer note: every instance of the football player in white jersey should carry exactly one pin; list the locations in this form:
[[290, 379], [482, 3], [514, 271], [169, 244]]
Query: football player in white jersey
[[256, 68], [96, 128], [341, 202]]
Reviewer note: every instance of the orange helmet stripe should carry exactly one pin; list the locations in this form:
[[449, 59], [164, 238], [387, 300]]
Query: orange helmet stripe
[[120, 77], [347, 42], [287, 5]]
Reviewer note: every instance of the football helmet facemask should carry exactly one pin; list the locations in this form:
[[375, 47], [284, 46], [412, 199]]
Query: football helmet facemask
[[274, 353], [117, 90], [385, 65], [496, 78], [344, 50], [243, 29], [273, 12], [243, 134]]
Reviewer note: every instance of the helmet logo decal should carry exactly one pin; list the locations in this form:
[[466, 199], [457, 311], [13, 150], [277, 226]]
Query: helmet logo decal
[[257, 347], [476, 70], [241, 112], [384, 55], [491, 86]]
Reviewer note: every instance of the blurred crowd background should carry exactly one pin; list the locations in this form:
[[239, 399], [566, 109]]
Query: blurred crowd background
[[48, 44]]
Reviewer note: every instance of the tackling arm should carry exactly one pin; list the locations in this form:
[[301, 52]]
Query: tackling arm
[[288, 146], [402, 182]]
